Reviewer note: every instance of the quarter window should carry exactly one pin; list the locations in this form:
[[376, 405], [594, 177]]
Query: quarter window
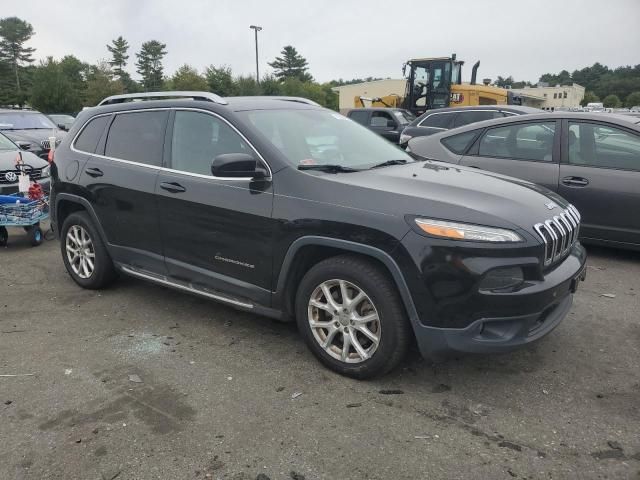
[[137, 137], [198, 138], [600, 145], [460, 142], [523, 141], [90, 135]]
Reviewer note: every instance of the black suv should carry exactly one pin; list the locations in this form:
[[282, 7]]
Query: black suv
[[289, 210]]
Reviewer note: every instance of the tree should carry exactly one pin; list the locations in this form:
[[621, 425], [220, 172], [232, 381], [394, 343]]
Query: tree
[[632, 100], [54, 89], [504, 82], [611, 101], [589, 97], [188, 78], [14, 33], [291, 65], [247, 86], [119, 57], [100, 84], [149, 64], [220, 80]]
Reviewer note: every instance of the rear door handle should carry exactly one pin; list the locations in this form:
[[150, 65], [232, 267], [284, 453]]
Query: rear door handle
[[575, 181], [94, 172], [172, 187]]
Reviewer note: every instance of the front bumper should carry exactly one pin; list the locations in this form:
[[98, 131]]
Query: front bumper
[[553, 297], [10, 188]]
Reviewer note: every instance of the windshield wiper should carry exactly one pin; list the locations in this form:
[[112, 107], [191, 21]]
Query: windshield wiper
[[330, 168], [388, 163]]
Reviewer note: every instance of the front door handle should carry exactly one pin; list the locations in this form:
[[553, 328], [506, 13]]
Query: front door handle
[[94, 172], [575, 181], [172, 187]]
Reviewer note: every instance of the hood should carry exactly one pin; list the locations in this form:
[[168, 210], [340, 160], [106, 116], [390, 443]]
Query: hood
[[34, 136], [8, 160], [449, 192]]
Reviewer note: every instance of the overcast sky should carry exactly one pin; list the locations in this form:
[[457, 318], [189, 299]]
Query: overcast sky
[[345, 38]]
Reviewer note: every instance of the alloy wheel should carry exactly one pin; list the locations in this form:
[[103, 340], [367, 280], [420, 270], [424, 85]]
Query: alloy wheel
[[344, 321], [80, 251]]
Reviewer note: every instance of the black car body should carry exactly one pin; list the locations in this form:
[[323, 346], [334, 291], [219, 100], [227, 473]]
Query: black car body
[[37, 168], [386, 122], [274, 211], [591, 159], [441, 119], [30, 130]]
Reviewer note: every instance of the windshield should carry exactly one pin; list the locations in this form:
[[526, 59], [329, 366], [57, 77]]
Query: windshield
[[320, 137], [24, 121], [6, 144]]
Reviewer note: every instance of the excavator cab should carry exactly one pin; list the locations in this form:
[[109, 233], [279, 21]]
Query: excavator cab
[[429, 82]]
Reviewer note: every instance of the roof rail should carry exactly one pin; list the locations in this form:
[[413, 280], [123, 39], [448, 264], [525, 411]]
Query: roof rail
[[128, 97], [277, 97]]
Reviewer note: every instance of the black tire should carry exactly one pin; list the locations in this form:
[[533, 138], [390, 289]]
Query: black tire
[[4, 237], [35, 235], [104, 272], [377, 284]]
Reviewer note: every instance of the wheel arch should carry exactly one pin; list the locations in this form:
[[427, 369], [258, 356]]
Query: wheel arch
[[67, 203], [309, 250]]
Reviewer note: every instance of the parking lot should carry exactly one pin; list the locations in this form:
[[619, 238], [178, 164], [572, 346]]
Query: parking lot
[[142, 382]]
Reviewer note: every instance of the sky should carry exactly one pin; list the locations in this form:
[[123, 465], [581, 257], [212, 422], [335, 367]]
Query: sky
[[345, 38]]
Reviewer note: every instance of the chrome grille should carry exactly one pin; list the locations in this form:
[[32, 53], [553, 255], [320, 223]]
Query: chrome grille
[[45, 144], [34, 174], [558, 234]]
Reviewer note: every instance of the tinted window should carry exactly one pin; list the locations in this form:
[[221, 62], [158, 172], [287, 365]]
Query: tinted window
[[359, 116], [523, 141], [198, 138], [438, 120], [137, 137], [465, 118], [381, 119], [90, 135], [460, 142], [600, 145]]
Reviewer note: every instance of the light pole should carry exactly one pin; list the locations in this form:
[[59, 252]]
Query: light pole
[[256, 29]]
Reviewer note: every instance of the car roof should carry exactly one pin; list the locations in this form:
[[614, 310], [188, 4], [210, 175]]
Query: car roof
[[507, 108], [377, 109], [622, 120]]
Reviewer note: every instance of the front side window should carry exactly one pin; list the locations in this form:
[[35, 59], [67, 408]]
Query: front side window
[[137, 137], [320, 137], [381, 119], [522, 141], [438, 120], [198, 138], [360, 116], [600, 145], [90, 135]]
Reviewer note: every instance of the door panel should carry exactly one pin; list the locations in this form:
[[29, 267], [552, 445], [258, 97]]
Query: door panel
[[216, 232], [542, 173]]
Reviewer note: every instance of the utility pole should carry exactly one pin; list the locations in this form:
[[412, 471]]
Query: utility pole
[[256, 29]]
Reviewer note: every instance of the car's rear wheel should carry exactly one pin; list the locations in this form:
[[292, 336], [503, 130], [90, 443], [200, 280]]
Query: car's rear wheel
[[84, 254], [351, 317]]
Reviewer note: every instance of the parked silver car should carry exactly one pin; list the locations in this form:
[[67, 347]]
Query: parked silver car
[[591, 159]]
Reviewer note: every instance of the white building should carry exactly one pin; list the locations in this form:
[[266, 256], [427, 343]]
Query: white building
[[551, 98], [376, 88]]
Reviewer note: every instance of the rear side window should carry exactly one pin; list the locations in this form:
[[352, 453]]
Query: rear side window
[[522, 141], [438, 120], [90, 135], [137, 137], [460, 142], [601, 145], [359, 116], [465, 118]]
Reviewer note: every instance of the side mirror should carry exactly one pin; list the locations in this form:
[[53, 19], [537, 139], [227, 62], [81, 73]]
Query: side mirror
[[23, 145], [236, 165], [62, 126]]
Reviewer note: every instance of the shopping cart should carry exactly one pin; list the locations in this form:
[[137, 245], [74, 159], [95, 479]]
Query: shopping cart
[[20, 211]]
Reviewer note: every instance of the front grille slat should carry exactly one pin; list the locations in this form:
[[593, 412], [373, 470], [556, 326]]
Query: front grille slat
[[34, 174], [559, 234]]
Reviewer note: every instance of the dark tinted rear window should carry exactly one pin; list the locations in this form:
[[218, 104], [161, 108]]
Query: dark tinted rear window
[[359, 116], [137, 137], [90, 135], [465, 118], [460, 142], [438, 120]]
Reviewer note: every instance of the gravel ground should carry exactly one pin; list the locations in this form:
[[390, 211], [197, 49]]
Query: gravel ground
[[142, 382]]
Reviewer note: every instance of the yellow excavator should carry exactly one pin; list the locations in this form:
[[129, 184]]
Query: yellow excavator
[[437, 83]]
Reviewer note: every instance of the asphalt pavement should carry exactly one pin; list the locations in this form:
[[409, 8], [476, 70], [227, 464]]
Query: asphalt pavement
[[142, 382]]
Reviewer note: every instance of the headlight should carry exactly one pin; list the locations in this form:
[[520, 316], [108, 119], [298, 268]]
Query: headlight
[[46, 172], [405, 138], [466, 231]]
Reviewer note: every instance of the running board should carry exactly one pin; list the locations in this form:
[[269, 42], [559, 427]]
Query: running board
[[162, 280]]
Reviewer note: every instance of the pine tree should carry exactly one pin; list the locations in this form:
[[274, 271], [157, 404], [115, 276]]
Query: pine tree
[[119, 57], [14, 33], [291, 65], [149, 64]]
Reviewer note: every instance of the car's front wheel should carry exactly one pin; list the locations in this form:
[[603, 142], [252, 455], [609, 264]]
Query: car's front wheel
[[84, 253], [351, 317]]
